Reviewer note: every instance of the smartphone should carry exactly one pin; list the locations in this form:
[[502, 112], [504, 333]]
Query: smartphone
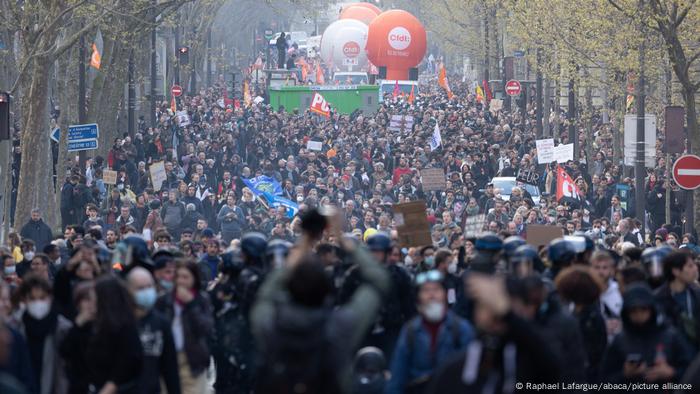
[[634, 358]]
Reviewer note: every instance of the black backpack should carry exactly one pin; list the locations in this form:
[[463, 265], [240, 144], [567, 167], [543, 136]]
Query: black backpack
[[301, 357]]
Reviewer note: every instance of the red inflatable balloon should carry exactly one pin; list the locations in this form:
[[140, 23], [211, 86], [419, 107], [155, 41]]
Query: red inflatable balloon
[[362, 14], [397, 41]]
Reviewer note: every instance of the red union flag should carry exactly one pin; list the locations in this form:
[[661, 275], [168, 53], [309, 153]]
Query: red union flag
[[566, 187], [320, 106]]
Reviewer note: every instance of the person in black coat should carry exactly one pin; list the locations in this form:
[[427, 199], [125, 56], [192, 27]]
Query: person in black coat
[[647, 350], [106, 338], [544, 311], [37, 230], [579, 285], [68, 208], [189, 311], [679, 297], [518, 353], [160, 358], [281, 45]]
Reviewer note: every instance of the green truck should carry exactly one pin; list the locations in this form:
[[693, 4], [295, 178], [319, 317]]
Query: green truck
[[342, 98]]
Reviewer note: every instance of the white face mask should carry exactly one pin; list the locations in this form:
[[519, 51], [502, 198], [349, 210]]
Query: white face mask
[[28, 256], [434, 311], [38, 309], [408, 261]]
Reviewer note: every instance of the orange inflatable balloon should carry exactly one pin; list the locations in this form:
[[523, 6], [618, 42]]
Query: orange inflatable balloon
[[371, 6], [396, 40], [362, 14]]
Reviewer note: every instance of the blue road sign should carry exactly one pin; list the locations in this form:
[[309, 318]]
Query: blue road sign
[[82, 145], [55, 134], [83, 137], [518, 53]]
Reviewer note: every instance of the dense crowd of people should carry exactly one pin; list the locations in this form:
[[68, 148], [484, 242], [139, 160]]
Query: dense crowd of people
[[148, 283]]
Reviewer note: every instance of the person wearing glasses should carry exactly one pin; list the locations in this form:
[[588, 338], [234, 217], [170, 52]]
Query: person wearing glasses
[[429, 339]]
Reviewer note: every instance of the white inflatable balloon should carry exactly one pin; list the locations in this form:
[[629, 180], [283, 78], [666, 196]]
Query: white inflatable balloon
[[343, 45]]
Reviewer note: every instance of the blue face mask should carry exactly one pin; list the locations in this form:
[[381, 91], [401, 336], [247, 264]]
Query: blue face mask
[[430, 261], [167, 285], [146, 298]]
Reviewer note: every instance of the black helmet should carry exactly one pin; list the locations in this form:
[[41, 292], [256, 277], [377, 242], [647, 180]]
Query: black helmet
[[590, 245], [231, 263], [489, 242], [370, 365], [278, 246], [379, 242], [526, 253], [561, 252], [254, 245], [277, 251], [139, 250], [512, 243], [652, 259]]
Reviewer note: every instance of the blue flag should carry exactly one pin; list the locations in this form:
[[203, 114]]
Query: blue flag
[[277, 201], [263, 184]]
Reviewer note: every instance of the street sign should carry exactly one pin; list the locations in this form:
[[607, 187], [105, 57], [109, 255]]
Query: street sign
[[176, 90], [513, 87], [269, 34], [55, 134], [83, 137], [686, 172], [518, 53]]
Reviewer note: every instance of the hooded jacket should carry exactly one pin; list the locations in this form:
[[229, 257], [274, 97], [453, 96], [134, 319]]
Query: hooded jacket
[[650, 341]]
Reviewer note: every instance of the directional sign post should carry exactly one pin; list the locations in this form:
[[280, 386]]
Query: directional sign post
[[513, 87], [686, 172], [83, 137], [176, 90], [55, 134]]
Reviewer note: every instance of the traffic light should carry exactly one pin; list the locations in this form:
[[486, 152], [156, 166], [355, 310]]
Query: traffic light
[[4, 116], [184, 55]]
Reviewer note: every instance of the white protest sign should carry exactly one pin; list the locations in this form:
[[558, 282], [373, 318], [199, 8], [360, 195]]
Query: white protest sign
[[545, 150], [182, 118], [563, 153], [158, 175], [314, 145]]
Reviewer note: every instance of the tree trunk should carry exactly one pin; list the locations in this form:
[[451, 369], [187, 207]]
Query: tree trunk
[[694, 139], [97, 110], [68, 80], [35, 187]]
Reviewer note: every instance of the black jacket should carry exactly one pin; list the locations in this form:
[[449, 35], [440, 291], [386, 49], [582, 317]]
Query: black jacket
[[39, 232], [197, 324], [654, 339], [159, 356], [565, 338], [534, 362], [674, 313]]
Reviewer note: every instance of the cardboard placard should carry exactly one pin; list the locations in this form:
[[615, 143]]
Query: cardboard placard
[[563, 153], [412, 224], [496, 105], [109, 177], [158, 175], [314, 145], [545, 150], [474, 226], [528, 176], [433, 179], [542, 234]]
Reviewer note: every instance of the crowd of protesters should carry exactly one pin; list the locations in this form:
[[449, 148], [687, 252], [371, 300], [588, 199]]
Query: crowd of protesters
[[147, 284]]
